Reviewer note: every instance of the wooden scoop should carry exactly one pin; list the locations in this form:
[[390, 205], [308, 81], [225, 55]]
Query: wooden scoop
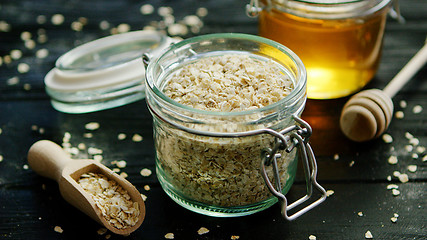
[[368, 113], [49, 160]]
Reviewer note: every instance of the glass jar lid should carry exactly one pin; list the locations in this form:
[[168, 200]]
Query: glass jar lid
[[103, 73]]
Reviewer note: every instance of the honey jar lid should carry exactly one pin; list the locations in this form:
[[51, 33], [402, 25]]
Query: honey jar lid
[[104, 73]]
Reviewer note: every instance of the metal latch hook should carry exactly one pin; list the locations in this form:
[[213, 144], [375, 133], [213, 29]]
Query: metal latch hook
[[299, 139]]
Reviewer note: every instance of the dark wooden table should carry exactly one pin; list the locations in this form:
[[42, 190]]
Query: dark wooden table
[[358, 173]]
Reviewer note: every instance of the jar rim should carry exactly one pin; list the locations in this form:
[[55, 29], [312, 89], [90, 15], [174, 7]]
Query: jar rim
[[298, 90], [321, 9]]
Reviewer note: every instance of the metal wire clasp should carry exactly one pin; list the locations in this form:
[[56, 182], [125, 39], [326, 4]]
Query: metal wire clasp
[[295, 137]]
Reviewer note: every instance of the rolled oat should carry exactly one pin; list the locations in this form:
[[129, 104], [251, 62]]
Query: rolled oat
[[222, 171], [229, 83], [111, 199]]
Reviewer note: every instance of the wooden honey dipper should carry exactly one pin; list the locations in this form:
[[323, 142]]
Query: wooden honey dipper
[[368, 113]]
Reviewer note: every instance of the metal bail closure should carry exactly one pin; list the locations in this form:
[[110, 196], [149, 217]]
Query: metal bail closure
[[297, 136]]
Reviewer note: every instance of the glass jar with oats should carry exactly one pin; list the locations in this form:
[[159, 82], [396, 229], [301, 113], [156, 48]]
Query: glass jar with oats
[[338, 41], [226, 116]]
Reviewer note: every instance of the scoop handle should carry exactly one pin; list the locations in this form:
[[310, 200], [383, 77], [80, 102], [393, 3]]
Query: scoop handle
[[47, 159]]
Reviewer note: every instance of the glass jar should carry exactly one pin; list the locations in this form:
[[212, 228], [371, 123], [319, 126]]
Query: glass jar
[[228, 163], [339, 42]]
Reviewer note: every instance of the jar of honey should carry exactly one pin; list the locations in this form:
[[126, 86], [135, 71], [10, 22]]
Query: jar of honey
[[339, 41]]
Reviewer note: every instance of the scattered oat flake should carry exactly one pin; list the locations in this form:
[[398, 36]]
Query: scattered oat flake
[[403, 104], [169, 236], [387, 138], [146, 9], [399, 115], [94, 151], [368, 235], [102, 231], [137, 138], [145, 172], [414, 141], [7, 59], [393, 219], [202, 12], [98, 158], [164, 11], [25, 167], [392, 160], [351, 164], [92, 126], [420, 149], [16, 54], [104, 25], [389, 178], [76, 26], [312, 237], [414, 156], [87, 135], [412, 168], [392, 186], [41, 19], [192, 20], [26, 36], [202, 230], [57, 19], [403, 178], [395, 192], [417, 109], [147, 188], [1, 158], [177, 29], [81, 146], [234, 237], [27, 86], [121, 136], [360, 214], [121, 164], [408, 135], [336, 156], [123, 175], [329, 192], [123, 27], [4, 26], [58, 229], [424, 159], [143, 197], [108, 236], [12, 81], [409, 148]]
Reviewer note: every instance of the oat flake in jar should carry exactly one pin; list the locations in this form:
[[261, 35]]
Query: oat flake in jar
[[227, 129], [339, 42]]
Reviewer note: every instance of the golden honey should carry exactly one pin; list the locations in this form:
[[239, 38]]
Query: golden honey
[[341, 50]]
